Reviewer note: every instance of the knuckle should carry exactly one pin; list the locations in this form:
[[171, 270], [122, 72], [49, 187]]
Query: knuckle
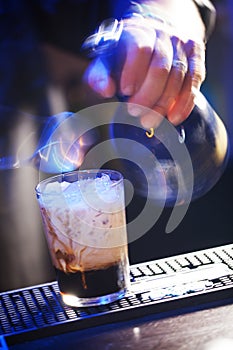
[[197, 79], [197, 70], [194, 48], [145, 50], [161, 61], [164, 68], [163, 55]]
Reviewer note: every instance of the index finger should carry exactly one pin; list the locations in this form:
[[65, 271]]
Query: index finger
[[158, 71]]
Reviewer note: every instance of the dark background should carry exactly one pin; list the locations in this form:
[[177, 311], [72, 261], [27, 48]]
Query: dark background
[[41, 74]]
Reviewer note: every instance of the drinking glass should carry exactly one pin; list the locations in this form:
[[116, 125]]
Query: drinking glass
[[83, 214]]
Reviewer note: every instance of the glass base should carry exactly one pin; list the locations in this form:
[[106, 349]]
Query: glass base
[[72, 300]]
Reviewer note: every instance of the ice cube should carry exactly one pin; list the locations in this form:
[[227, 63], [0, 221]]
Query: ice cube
[[106, 190], [64, 185], [53, 188], [71, 191], [102, 183]]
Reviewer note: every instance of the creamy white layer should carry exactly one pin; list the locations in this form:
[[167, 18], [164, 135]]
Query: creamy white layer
[[85, 224]]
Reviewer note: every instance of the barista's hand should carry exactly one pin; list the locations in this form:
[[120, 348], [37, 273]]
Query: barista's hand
[[153, 68]]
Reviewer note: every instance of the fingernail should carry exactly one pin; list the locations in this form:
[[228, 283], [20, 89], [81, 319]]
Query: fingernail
[[101, 85], [175, 119], [134, 110], [128, 90], [151, 120]]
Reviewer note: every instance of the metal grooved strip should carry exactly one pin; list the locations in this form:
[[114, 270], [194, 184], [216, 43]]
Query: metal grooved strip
[[38, 311]]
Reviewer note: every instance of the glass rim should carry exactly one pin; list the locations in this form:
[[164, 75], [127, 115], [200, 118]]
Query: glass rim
[[70, 173]]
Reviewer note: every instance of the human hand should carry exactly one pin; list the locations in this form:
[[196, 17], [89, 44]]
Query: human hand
[[155, 68]]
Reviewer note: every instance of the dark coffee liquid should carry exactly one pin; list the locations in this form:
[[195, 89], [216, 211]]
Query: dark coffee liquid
[[92, 283]]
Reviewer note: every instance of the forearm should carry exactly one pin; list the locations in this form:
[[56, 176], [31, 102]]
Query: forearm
[[182, 14]]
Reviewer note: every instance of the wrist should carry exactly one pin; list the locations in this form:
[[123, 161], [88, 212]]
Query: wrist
[[181, 17]]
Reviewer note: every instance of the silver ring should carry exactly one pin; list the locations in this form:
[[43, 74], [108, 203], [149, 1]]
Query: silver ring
[[180, 65]]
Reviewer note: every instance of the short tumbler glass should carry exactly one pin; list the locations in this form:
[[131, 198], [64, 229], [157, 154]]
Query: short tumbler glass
[[83, 214]]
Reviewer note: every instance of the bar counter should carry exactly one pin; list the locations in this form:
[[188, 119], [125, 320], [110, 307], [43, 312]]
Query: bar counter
[[209, 327]]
